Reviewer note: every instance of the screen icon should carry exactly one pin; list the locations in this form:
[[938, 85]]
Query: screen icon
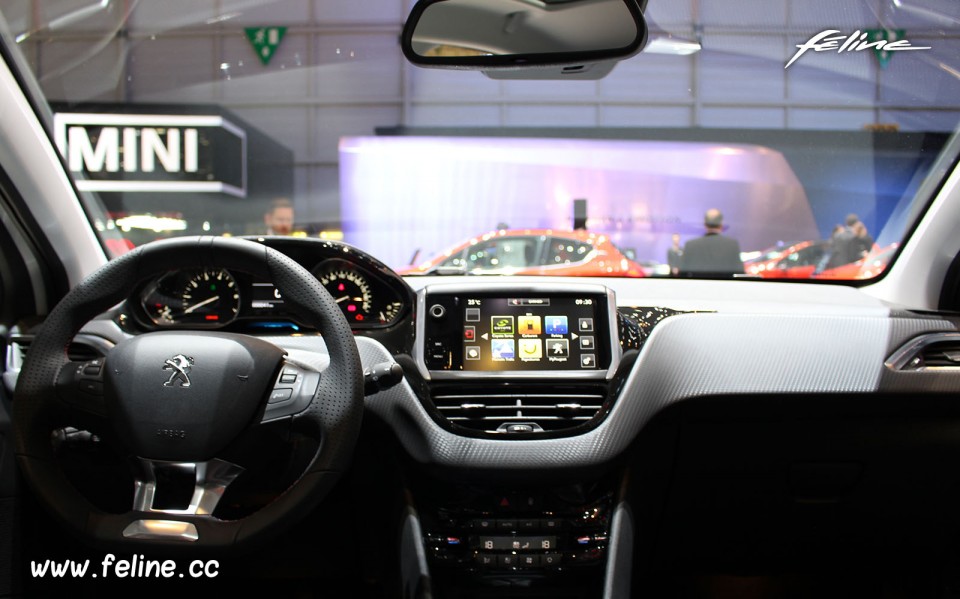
[[586, 325], [473, 352], [501, 325], [502, 349], [473, 315], [528, 325], [556, 325], [586, 343], [469, 333], [588, 361], [558, 348], [531, 349]]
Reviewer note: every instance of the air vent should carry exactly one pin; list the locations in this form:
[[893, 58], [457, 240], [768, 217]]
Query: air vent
[[939, 351], [521, 411], [941, 355]]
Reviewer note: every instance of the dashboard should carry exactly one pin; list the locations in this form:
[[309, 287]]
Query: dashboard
[[529, 404]]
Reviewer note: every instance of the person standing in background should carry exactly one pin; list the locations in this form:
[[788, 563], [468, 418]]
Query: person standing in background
[[279, 219], [863, 239], [714, 253], [674, 255], [844, 245]]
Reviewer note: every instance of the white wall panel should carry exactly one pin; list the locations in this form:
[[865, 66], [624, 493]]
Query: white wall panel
[[81, 71], [320, 201], [916, 78], [755, 118], [932, 14], [167, 15], [829, 77], [672, 13], [360, 65], [646, 116], [332, 123], [762, 13], [476, 115], [650, 76], [287, 125], [360, 11], [188, 61], [568, 90], [835, 14], [264, 13], [829, 119], [742, 68], [565, 115], [246, 78], [441, 83]]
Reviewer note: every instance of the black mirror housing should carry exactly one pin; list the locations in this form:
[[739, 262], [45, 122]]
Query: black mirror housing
[[517, 35]]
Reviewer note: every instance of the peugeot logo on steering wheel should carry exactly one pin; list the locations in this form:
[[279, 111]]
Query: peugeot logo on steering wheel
[[180, 365]]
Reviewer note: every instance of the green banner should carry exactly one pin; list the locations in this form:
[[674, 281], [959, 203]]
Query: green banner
[[887, 35], [265, 41]]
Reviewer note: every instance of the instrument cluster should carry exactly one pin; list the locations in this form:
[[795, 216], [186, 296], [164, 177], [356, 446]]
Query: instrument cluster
[[367, 292]]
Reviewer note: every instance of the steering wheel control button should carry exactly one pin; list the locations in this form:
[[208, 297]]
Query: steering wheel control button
[[90, 387], [93, 368], [279, 395], [287, 399]]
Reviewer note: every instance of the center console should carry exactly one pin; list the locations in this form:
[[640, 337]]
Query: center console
[[520, 363]]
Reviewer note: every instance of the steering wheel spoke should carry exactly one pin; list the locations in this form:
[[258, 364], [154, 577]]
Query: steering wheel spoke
[[209, 479]]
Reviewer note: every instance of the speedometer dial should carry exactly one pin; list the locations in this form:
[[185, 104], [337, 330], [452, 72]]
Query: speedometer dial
[[351, 291], [198, 298], [210, 296]]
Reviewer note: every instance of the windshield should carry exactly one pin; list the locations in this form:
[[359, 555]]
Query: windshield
[[752, 139]]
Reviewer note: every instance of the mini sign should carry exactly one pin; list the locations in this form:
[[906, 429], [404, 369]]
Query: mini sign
[[153, 152], [265, 41]]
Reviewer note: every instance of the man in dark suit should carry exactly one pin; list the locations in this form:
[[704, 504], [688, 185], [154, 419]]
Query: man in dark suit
[[713, 254]]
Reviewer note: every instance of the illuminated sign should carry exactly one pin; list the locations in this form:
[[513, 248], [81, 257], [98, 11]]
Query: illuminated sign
[[153, 153]]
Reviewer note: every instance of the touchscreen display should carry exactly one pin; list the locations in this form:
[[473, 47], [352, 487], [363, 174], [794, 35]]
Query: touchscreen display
[[532, 333]]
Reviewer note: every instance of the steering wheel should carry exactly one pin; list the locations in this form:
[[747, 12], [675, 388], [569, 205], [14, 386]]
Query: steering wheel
[[178, 399]]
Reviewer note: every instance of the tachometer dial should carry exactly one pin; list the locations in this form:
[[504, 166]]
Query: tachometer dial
[[351, 291], [210, 297]]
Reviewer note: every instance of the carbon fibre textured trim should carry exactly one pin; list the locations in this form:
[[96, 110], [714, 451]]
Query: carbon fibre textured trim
[[686, 356]]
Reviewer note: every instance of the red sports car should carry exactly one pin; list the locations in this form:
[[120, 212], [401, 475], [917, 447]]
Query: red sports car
[[533, 252]]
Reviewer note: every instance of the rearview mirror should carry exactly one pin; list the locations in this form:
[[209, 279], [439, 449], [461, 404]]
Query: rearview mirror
[[513, 34]]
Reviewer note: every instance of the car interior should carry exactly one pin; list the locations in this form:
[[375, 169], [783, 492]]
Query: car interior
[[190, 399]]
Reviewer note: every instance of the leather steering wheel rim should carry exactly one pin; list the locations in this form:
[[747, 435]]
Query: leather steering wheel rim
[[333, 416]]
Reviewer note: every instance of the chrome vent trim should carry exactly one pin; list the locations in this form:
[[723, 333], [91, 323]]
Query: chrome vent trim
[[542, 411], [934, 352]]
